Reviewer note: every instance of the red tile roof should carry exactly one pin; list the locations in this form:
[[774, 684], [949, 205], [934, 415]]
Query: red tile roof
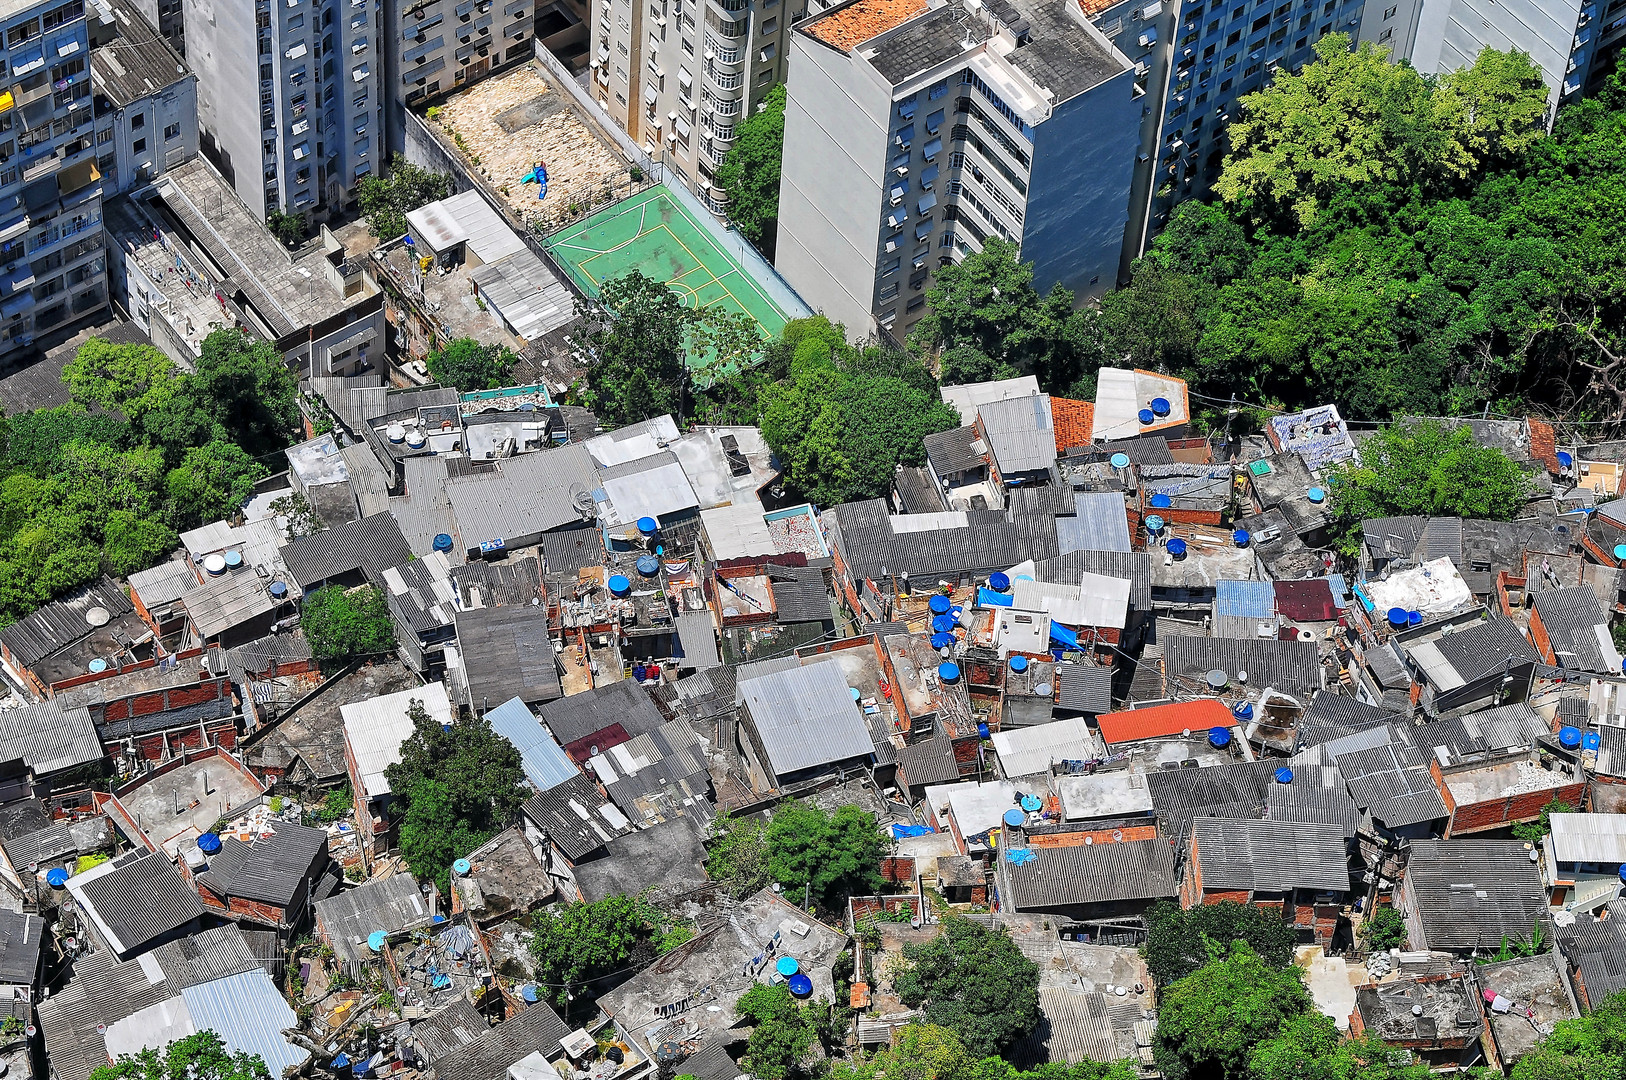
[[1159, 720], [847, 28], [1074, 422]]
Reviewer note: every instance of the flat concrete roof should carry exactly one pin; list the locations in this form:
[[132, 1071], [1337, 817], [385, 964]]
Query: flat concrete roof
[[180, 805]]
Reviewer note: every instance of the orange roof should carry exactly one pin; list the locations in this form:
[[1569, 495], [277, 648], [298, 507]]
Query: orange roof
[[1160, 720], [848, 27], [1095, 7], [1074, 421]]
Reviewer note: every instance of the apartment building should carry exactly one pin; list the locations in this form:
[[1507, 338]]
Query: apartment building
[[1574, 42], [54, 269], [916, 129], [168, 17], [146, 99], [680, 75], [438, 46], [289, 105]]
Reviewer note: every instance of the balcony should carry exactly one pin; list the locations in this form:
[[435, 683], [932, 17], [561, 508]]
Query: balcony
[[726, 80], [717, 50]]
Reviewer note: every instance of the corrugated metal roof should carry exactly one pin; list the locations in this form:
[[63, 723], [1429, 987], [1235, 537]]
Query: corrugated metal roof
[[622, 703], [1084, 687], [1290, 667], [697, 638], [950, 452], [20, 937], [1317, 794], [465, 219], [929, 761], [132, 901], [524, 495], [1094, 601], [1392, 783], [488, 1057], [1599, 838], [1306, 601], [1578, 629], [805, 717], [164, 583], [61, 622], [276, 869], [49, 736], [1244, 599], [1134, 565], [507, 652], [576, 816], [1155, 721], [1100, 522], [390, 904], [1021, 433], [1078, 1026], [1031, 750], [968, 397], [1471, 893], [526, 292], [456, 1024], [1092, 874], [375, 728], [370, 544], [1598, 948], [249, 1015], [545, 761], [1271, 856]]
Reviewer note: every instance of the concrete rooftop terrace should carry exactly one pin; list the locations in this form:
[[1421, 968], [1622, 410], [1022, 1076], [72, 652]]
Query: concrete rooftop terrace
[[180, 805]]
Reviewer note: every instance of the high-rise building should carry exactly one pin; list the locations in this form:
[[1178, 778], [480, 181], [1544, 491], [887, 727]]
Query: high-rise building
[[168, 17], [916, 129], [146, 99], [288, 97], [436, 47], [680, 75], [52, 267]]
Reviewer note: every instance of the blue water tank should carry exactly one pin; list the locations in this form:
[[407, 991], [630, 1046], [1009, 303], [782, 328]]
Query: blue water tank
[[1154, 524], [1019, 663], [279, 591], [942, 640], [1120, 461], [1015, 818], [1569, 737], [1219, 738], [1317, 495], [1414, 618], [1161, 501], [56, 878], [948, 671], [1146, 416], [620, 584], [234, 559], [648, 526], [375, 940], [982, 731], [942, 624], [209, 843], [1243, 711], [1177, 548], [443, 542], [999, 581], [1620, 552], [1398, 616], [1283, 775], [800, 985], [787, 966], [462, 867], [97, 666], [1161, 407], [939, 604], [1032, 803], [1565, 460], [1241, 538], [528, 992], [648, 565]]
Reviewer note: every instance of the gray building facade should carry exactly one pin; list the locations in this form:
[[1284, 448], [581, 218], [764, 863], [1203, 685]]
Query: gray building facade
[[54, 268], [913, 132], [146, 100]]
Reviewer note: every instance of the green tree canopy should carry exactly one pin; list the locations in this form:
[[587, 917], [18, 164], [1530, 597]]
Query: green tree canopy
[[930, 1052], [196, 1057], [385, 201], [212, 483], [341, 623], [1210, 1022], [834, 855], [634, 336], [249, 390], [782, 1031], [1177, 940], [975, 982], [455, 787], [576, 945], [470, 365], [1425, 467], [1310, 1047], [749, 174], [846, 417]]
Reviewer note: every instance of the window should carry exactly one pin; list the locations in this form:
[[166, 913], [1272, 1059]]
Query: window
[[1252, 69], [138, 121], [1230, 62], [1388, 33], [937, 91], [1224, 86], [1260, 23], [765, 77], [1213, 27], [139, 147], [297, 22], [173, 131], [1389, 13], [770, 26], [1235, 37]]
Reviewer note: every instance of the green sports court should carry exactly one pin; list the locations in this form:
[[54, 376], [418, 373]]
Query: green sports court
[[653, 233]]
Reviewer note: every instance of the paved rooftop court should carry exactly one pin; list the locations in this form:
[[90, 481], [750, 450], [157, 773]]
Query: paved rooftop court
[[653, 233]]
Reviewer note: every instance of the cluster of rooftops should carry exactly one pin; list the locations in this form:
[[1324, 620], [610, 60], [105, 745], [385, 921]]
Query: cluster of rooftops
[[1082, 662]]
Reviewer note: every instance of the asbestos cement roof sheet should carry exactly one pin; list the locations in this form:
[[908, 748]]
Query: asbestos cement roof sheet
[[1271, 856], [805, 716]]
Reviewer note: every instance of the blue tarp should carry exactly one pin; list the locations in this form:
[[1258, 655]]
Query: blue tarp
[[1060, 633], [900, 831], [990, 598]]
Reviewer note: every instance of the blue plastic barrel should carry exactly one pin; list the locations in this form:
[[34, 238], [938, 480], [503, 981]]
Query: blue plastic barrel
[[1032, 803], [648, 526], [948, 671], [1019, 663], [999, 581], [1565, 460], [443, 542], [1146, 416], [1414, 618], [1241, 538], [943, 624], [939, 604], [1591, 740], [1317, 495], [1243, 711], [982, 730], [942, 640], [1161, 407], [1569, 737], [1398, 616], [1177, 548], [620, 584], [1015, 818], [56, 878], [1160, 501], [1154, 524], [800, 985], [375, 940], [1120, 461], [1219, 738], [1283, 775], [638, 672], [209, 843]]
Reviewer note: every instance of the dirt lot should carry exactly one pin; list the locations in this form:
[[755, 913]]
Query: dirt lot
[[509, 123]]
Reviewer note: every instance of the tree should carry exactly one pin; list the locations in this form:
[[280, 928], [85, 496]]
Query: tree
[[738, 856], [469, 365], [385, 201], [749, 174], [576, 945], [634, 337], [975, 982], [1310, 1047], [1533, 832], [1591, 1047], [131, 542], [131, 379], [832, 855], [341, 623], [1177, 941], [782, 1031], [289, 229], [845, 418], [1209, 1022], [455, 787], [299, 518], [249, 390], [196, 1057], [1424, 467], [929, 1052], [211, 484], [988, 316], [1384, 929]]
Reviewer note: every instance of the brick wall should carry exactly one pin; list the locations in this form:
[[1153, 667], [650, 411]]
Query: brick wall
[[1540, 638], [215, 688], [1494, 813], [898, 869], [1092, 836], [114, 672]]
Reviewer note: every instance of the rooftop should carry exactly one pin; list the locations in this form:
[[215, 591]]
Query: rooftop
[[576, 817], [849, 26], [1538, 995], [1122, 393], [1271, 856], [374, 730], [666, 860], [1471, 893], [806, 717], [275, 869], [135, 900], [139, 63], [546, 764], [1153, 721], [389, 904], [176, 806], [506, 652], [1061, 877]]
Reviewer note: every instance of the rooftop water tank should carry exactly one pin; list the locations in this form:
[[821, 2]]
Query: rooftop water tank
[[462, 867], [1019, 663], [942, 640], [1217, 679], [939, 604], [1243, 711], [1398, 616], [416, 439], [1015, 818], [1154, 524], [1120, 461], [648, 565], [943, 624], [1177, 548], [1317, 495], [1032, 803], [1414, 618], [1565, 460], [528, 992], [648, 526], [97, 666], [1160, 501], [1219, 738], [1620, 552], [1591, 740], [395, 433], [278, 590], [375, 940], [1569, 737], [800, 986], [620, 584], [948, 671], [1145, 416], [443, 542], [209, 843], [1241, 538], [214, 565], [56, 877], [1042, 690], [234, 559], [999, 581], [787, 966], [1283, 775], [1160, 407]]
